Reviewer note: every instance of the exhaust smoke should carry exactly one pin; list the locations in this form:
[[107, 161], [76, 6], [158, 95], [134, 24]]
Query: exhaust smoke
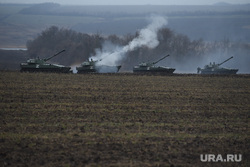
[[113, 54]]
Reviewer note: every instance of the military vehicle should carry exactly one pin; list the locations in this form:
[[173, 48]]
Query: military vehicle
[[41, 65], [91, 66], [213, 68], [151, 68]]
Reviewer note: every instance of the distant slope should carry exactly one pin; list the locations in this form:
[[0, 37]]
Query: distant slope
[[19, 23], [222, 4]]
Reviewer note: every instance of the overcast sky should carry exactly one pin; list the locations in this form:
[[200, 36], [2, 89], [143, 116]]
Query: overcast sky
[[129, 2]]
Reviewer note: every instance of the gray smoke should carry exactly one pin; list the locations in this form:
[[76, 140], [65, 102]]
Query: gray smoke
[[113, 54]]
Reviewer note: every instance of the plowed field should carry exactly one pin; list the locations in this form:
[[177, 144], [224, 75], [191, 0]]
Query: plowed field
[[122, 119]]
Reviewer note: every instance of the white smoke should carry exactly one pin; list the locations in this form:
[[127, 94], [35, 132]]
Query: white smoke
[[111, 55], [147, 36]]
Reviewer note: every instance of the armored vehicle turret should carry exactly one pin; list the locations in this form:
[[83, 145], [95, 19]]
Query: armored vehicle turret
[[92, 66], [150, 67], [41, 65], [214, 68]]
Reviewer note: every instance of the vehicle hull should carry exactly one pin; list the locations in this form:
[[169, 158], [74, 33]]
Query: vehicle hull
[[98, 69], [45, 68], [163, 70], [219, 71]]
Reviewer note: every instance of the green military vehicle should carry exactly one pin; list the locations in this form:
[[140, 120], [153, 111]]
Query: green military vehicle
[[214, 68], [92, 66], [41, 65], [150, 67]]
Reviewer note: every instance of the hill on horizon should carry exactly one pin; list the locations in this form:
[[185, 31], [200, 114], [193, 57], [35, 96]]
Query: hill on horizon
[[19, 23]]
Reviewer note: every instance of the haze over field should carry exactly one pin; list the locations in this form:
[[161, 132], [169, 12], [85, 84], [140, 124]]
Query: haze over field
[[129, 2], [19, 23], [199, 32]]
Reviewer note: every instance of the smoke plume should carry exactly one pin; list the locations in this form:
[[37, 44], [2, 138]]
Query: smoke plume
[[111, 55]]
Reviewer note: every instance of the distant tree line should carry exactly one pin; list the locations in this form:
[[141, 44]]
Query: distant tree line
[[80, 46]]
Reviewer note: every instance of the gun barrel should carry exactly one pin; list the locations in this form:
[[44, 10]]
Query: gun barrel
[[225, 61], [160, 59], [54, 55]]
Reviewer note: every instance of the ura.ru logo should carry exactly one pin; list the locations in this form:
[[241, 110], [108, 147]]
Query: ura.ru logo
[[220, 158]]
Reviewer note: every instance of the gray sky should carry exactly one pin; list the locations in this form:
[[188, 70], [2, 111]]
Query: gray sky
[[129, 2]]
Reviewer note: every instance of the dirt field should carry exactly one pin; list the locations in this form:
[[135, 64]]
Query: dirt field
[[122, 119]]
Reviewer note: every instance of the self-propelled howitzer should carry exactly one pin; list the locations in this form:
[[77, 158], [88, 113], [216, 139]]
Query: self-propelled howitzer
[[46, 59], [93, 66], [41, 65], [150, 67], [214, 68]]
